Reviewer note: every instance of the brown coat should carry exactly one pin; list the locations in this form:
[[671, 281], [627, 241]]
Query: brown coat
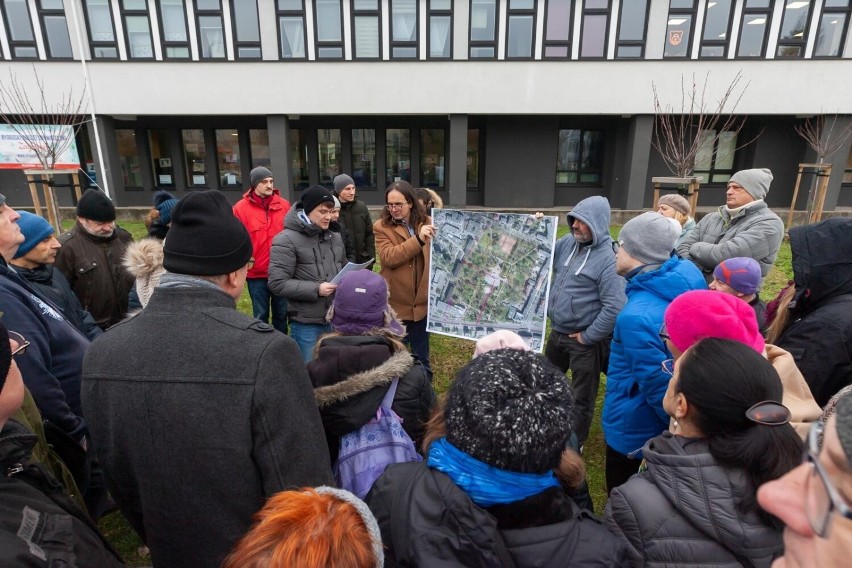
[[405, 266]]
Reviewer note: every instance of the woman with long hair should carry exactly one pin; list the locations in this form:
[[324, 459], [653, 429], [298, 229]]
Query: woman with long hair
[[695, 501], [402, 242]]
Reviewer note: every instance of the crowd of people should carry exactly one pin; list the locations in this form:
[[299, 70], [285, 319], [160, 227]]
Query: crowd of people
[[309, 434]]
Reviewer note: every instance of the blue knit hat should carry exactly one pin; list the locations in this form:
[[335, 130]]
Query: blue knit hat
[[35, 229], [164, 202]]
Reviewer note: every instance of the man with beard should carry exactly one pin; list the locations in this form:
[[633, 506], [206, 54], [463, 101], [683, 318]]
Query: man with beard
[[585, 298], [91, 259]]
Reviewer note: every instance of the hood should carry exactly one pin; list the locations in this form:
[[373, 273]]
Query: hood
[[822, 262], [704, 492], [16, 444], [669, 281], [295, 223], [144, 257], [595, 212]]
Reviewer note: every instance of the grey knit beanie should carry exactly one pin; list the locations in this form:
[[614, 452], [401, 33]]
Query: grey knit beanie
[[649, 238], [755, 182], [677, 202], [366, 515], [342, 181], [259, 174], [844, 425], [510, 409]]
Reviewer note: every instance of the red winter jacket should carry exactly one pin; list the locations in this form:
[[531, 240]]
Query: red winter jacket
[[263, 225]]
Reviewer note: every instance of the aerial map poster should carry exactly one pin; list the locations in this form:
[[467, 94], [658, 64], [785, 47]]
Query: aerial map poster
[[490, 271]]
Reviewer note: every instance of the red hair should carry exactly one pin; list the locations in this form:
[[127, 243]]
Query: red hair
[[306, 529]]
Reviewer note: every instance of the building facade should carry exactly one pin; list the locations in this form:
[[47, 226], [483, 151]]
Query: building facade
[[497, 103]]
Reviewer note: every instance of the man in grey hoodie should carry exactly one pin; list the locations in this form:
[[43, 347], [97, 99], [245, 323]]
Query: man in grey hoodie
[[586, 295]]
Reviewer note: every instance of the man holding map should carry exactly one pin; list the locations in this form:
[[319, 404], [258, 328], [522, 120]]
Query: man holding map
[[586, 295]]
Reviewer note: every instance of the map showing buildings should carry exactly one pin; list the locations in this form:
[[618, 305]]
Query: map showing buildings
[[490, 271]]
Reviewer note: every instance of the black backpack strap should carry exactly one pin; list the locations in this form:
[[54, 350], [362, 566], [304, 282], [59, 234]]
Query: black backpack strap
[[502, 551]]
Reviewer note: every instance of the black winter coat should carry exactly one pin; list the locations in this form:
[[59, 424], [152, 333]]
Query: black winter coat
[[53, 286], [355, 218], [820, 335], [427, 521], [351, 375]]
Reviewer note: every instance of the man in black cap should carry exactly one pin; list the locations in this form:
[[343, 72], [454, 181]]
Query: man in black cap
[[304, 260], [91, 259], [202, 412]]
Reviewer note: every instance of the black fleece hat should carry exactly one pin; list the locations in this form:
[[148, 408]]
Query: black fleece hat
[[315, 195], [5, 355], [95, 205], [205, 238]]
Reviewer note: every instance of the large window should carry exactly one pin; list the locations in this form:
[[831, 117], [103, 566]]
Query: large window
[[483, 29], [679, 28], [366, 29], [259, 147], [101, 30], [195, 153], [580, 157], [557, 29], [137, 29], [403, 29], [161, 157], [329, 29], [128, 158], [794, 29], [432, 157], [439, 33], [211, 33], [520, 29], [328, 153], [753, 28], [717, 29], [714, 162], [833, 25], [19, 29], [472, 165], [246, 29], [632, 26], [55, 28], [398, 155], [228, 158], [364, 157], [593, 34], [291, 29], [173, 33], [299, 159]]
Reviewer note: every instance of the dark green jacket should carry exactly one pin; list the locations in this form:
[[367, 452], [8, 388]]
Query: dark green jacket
[[357, 221]]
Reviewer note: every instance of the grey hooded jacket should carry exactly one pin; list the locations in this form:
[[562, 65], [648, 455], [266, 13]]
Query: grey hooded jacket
[[682, 511], [304, 256], [586, 293]]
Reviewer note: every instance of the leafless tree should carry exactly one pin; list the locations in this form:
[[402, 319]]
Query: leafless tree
[[680, 133], [824, 143], [39, 122]]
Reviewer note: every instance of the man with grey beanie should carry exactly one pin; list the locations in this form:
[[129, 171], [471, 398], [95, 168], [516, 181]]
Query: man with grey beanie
[[636, 384], [355, 218], [744, 226]]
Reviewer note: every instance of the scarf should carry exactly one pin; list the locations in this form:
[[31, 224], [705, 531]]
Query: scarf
[[484, 484]]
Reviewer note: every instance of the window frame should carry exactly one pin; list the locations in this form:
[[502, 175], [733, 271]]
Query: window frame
[[526, 12], [746, 11], [545, 43], [53, 12], [13, 44], [692, 13], [94, 44], [632, 42], [124, 14], [714, 170], [302, 13], [165, 44], [802, 42], [724, 44], [206, 13], [400, 43], [318, 44], [238, 43], [594, 12], [361, 13], [847, 12], [580, 170], [492, 43], [190, 185], [437, 12]]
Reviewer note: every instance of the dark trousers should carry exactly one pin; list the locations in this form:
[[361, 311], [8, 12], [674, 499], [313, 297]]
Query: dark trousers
[[261, 298], [585, 362], [418, 339], [619, 468]]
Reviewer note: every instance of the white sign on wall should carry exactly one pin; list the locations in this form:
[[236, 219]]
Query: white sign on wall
[[16, 154]]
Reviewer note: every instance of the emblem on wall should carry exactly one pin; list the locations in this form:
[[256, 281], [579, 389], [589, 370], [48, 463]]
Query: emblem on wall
[[675, 37]]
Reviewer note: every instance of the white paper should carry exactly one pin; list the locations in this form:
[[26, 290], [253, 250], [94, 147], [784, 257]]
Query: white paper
[[350, 266]]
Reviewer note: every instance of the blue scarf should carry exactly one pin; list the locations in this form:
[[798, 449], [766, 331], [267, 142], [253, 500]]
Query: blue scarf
[[484, 484]]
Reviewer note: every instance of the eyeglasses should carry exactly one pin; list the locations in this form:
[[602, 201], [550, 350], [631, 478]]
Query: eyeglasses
[[769, 413], [396, 206], [668, 367], [664, 334], [22, 343], [251, 263], [615, 246], [821, 496]]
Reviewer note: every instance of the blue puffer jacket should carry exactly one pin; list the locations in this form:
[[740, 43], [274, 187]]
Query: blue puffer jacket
[[586, 294], [633, 407]]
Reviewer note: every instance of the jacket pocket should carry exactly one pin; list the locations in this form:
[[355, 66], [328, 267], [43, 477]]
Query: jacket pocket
[[50, 537], [85, 287]]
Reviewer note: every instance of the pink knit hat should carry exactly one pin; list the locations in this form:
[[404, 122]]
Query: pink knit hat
[[694, 315]]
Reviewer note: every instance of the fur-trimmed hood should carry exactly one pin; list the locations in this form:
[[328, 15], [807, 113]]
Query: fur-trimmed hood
[[144, 257], [396, 366]]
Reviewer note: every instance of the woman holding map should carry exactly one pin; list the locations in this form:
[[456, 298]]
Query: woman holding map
[[402, 242]]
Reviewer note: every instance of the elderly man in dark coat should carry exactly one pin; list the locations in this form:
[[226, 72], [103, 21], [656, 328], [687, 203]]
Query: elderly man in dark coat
[[201, 412]]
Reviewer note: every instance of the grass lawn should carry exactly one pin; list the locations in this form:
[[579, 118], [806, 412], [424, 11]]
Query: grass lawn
[[448, 355]]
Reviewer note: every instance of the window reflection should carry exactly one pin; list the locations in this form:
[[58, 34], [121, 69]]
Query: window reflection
[[398, 155]]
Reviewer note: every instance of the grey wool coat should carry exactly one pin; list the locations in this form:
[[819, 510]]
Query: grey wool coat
[[199, 414], [304, 256]]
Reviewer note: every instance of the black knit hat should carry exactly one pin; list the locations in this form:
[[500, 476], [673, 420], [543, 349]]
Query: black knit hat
[[315, 195], [96, 206], [205, 238], [510, 409], [5, 355]]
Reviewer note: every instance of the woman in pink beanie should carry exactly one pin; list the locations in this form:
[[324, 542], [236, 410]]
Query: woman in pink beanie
[[694, 315]]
